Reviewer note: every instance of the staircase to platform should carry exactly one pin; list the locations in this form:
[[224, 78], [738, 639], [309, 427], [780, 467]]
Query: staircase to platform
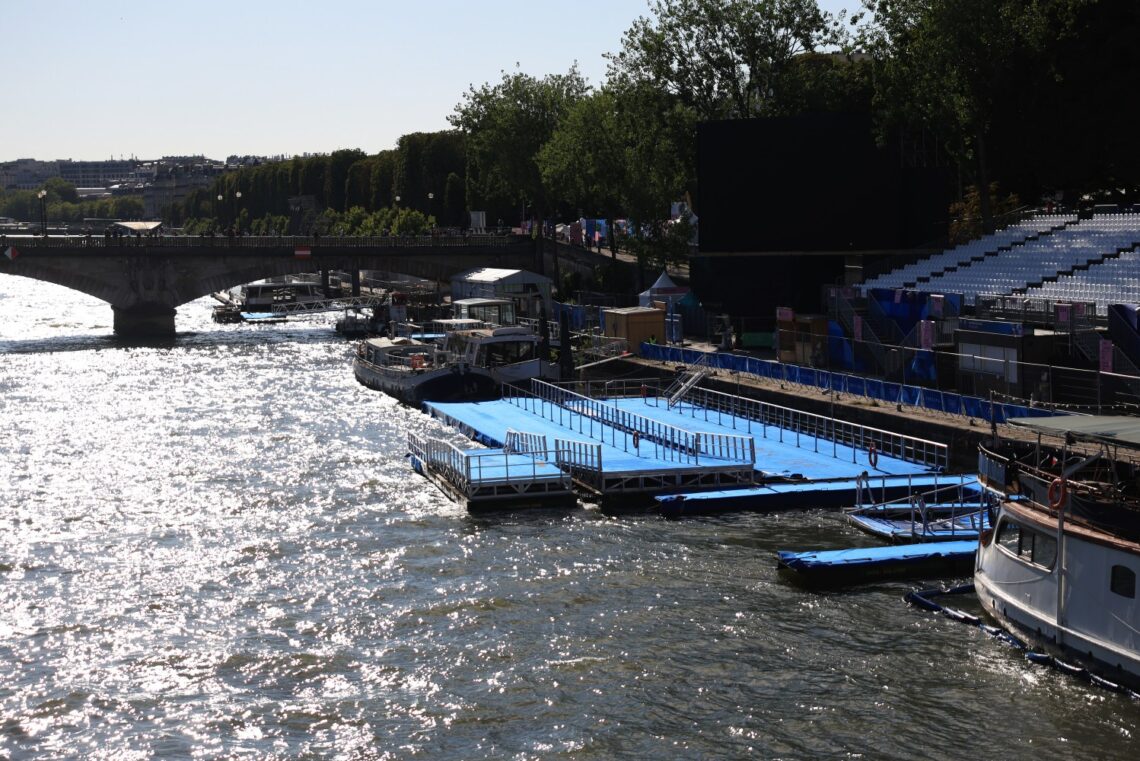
[[685, 381]]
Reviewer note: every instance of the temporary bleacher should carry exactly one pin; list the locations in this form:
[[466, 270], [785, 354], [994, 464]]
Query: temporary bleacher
[[1057, 258], [1112, 280], [914, 274]]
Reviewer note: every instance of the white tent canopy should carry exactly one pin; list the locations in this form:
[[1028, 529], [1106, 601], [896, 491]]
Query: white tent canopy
[[664, 289]]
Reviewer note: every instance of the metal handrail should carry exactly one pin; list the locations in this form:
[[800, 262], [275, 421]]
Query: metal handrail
[[465, 468], [596, 419], [820, 427]]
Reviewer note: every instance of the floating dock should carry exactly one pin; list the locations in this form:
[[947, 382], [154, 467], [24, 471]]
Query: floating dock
[[938, 513], [704, 451], [797, 495], [928, 527], [834, 568], [507, 478]]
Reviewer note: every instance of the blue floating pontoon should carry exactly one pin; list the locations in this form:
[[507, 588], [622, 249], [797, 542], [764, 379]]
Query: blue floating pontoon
[[965, 522], [794, 495], [855, 566]]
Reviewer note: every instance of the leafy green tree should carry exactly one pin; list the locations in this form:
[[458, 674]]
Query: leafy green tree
[[722, 58], [946, 66], [59, 189], [506, 125], [584, 162], [626, 153]]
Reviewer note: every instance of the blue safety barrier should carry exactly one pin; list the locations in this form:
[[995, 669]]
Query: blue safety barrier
[[872, 388]]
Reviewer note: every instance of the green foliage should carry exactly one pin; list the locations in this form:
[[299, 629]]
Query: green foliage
[[966, 214], [24, 205], [506, 127], [337, 182], [59, 189], [722, 58], [659, 243], [1003, 84]]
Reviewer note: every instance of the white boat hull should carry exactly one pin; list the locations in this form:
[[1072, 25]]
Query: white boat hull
[[1072, 606]]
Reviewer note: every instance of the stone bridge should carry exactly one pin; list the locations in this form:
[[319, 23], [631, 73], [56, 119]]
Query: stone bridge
[[145, 279]]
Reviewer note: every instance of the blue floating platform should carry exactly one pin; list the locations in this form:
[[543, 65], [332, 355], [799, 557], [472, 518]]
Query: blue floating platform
[[792, 496], [834, 568], [966, 523]]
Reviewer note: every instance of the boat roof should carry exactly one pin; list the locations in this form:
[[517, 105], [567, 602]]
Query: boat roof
[[383, 342], [1110, 429], [481, 301]]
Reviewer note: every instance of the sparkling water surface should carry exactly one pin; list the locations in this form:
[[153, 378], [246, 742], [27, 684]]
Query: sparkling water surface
[[214, 547]]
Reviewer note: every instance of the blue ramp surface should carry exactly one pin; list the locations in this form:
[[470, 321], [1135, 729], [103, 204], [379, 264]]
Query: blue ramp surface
[[779, 452]]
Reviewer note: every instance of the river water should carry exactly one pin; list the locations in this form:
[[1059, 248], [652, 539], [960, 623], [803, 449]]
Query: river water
[[215, 547]]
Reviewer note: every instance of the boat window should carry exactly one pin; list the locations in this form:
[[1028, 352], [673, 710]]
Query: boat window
[[1027, 544], [1123, 581], [1044, 550], [1009, 535]]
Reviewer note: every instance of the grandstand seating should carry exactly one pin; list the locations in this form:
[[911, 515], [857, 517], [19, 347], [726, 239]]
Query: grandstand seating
[[1049, 256]]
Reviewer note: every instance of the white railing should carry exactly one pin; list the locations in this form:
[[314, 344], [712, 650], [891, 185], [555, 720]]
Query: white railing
[[582, 460], [467, 469], [627, 430], [931, 510], [523, 442], [784, 423]]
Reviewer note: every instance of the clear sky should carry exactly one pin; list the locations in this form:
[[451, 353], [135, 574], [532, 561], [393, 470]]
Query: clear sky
[[99, 79]]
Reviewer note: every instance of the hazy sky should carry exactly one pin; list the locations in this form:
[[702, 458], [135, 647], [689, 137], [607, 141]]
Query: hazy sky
[[148, 78]]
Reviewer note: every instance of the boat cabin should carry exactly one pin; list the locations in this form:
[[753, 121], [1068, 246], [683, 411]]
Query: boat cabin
[[493, 347], [488, 311], [262, 295]]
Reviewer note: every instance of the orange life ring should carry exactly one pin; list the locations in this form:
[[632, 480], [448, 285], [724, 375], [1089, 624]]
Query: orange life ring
[[1057, 493], [636, 440], [872, 455], [417, 361]]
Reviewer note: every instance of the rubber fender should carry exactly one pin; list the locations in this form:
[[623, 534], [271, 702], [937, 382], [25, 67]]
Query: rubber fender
[[1041, 659], [1100, 681], [1069, 668], [917, 598], [961, 616], [1012, 641]]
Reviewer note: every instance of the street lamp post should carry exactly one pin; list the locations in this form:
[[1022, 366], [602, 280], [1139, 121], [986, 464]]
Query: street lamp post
[[218, 209], [431, 197], [42, 195]]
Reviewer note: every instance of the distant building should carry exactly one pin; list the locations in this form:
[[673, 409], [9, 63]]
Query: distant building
[[26, 174], [96, 174]]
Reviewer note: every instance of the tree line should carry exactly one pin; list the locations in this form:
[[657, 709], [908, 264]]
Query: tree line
[[62, 205], [1008, 92]]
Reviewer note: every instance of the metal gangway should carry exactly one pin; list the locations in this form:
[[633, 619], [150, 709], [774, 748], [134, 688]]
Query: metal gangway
[[338, 304]]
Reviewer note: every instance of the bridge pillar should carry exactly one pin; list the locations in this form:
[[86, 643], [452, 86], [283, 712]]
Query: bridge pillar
[[355, 281], [142, 322]]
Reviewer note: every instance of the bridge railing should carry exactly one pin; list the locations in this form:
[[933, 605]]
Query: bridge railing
[[261, 241]]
